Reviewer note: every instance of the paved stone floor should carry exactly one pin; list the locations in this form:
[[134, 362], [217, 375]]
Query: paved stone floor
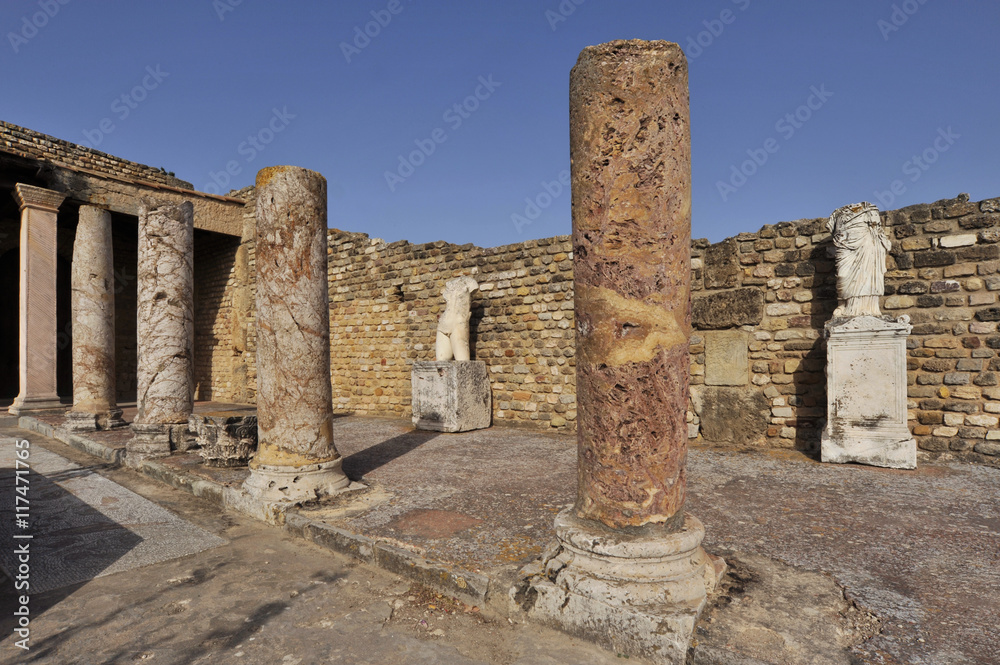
[[829, 564]]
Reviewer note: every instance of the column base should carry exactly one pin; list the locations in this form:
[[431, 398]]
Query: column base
[[890, 449], [24, 405], [291, 484], [636, 594], [81, 421], [151, 441]]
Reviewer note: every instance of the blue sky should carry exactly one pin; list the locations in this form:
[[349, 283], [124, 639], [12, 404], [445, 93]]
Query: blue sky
[[199, 86]]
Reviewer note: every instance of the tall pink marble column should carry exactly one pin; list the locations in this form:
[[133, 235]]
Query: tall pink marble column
[[164, 330], [37, 323], [628, 570], [93, 294], [296, 458]]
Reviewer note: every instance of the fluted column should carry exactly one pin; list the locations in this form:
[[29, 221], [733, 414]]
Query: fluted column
[[37, 323], [296, 458], [164, 329], [93, 296]]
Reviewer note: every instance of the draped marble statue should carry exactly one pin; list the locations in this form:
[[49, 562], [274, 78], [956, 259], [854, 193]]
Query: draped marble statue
[[453, 327], [861, 248]]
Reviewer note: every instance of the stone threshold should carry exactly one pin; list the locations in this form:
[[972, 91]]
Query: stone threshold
[[473, 588]]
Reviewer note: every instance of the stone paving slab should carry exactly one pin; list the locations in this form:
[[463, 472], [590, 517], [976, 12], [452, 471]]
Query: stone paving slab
[[84, 526], [920, 549]]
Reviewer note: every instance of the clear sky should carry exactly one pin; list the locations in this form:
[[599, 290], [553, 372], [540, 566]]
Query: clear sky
[[199, 86]]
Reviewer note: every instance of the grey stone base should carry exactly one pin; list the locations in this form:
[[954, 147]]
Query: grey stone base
[[295, 484], [153, 441], [29, 404], [225, 439], [638, 595], [894, 451], [80, 421], [451, 396]]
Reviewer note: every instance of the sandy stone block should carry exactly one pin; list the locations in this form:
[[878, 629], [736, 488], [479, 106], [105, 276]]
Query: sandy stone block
[[963, 240], [982, 420], [726, 358]]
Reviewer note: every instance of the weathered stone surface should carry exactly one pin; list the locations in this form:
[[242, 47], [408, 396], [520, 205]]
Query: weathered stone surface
[[733, 416], [451, 396], [165, 328], [630, 145], [296, 458], [866, 394], [728, 309], [726, 358], [861, 247], [225, 439], [721, 268], [93, 302], [37, 313]]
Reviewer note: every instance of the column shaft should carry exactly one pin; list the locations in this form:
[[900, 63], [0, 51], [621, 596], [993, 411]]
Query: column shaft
[[165, 328], [296, 458], [630, 147], [37, 325], [93, 293]]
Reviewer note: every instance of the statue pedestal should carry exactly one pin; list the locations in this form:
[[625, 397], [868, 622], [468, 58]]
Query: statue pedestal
[[451, 396], [866, 393]]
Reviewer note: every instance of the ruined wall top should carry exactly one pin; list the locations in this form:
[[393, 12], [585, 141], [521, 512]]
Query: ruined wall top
[[24, 142]]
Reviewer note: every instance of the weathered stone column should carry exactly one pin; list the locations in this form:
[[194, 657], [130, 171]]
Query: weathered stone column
[[296, 459], [37, 322], [93, 286], [164, 330], [629, 571]]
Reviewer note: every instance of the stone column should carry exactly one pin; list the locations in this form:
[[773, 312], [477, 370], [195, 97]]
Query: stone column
[[628, 570], [296, 459], [93, 286], [164, 330], [37, 322]]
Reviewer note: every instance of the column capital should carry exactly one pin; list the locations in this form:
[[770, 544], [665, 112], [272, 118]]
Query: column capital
[[29, 196]]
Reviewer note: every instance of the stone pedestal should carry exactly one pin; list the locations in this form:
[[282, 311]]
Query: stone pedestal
[[451, 396], [164, 331], [628, 570], [37, 315], [866, 393], [93, 287], [296, 459], [225, 439]]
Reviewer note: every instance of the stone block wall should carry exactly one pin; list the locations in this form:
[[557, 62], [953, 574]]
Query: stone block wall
[[28, 143], [385, 300], [214, 289], [768, 295]]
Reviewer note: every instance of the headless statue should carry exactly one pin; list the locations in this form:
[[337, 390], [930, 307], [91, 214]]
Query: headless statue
[[453, 327], [861, 247]]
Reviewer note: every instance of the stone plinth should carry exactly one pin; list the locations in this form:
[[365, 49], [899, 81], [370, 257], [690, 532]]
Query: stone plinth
[[164, 330], [296, 458], [37, 332], [225, 439], [866, 393], [451, 396], [93, 300], [628, 570]]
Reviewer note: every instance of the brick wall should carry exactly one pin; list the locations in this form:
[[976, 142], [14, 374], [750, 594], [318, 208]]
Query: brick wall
[[28, 143], [385, 300], [777, 288]]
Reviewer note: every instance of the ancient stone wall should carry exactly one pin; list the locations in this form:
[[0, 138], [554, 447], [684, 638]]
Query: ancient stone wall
[[214, 287], [761, 300], [385, 300], [27, 143]]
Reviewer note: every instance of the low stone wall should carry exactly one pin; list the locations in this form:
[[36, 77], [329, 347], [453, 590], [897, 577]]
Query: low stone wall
[[761, 301]]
